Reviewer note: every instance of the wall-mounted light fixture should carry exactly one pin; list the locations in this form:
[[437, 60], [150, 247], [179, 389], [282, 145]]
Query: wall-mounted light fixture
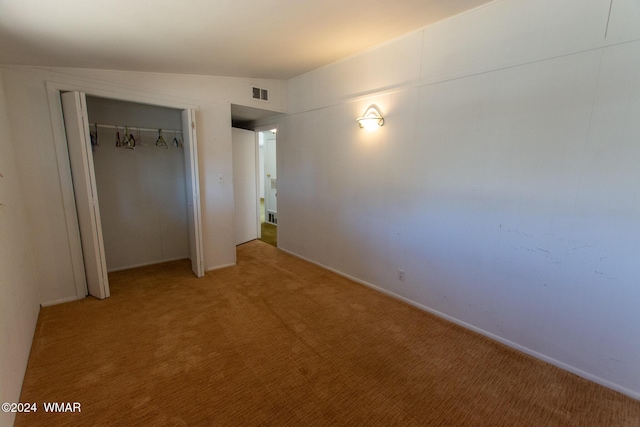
[[371, 119]]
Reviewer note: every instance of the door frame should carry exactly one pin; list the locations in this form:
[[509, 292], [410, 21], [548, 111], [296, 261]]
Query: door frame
[[64, 167]]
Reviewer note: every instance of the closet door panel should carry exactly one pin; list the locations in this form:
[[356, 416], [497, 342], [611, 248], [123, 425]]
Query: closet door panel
[[193, 192], [86, 195]]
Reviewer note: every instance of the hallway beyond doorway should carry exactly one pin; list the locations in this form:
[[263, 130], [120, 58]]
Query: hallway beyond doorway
[[268, 232]]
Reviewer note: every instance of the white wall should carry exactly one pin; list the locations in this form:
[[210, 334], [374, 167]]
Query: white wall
[[142, 191], [505, 181], [40, 165], [18, 287]]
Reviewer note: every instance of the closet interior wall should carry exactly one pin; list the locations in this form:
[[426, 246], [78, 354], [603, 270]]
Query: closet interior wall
[[141, 190]]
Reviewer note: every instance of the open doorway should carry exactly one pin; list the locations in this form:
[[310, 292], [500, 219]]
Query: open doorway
[[268, 186], [255, 185], [255, 174]]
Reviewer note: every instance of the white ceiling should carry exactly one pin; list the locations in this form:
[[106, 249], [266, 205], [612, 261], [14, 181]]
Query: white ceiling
[[276, 39]]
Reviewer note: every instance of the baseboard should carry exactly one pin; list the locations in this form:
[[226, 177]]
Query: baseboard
[[76, 298], [218, 267], [60, 301], [509, 343], [145, 264]]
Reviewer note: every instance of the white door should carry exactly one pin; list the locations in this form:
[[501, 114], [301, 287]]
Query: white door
[[271, 178], [245, 193], [193, 192], [76, 125]]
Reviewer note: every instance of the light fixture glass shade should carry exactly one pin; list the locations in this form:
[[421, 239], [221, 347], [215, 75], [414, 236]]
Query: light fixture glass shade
[[371, 120]]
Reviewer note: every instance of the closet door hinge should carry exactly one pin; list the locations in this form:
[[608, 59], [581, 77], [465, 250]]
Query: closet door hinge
[[193, 125]]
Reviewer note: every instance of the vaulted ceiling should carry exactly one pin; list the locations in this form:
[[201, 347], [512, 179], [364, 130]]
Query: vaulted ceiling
[[276, 39]]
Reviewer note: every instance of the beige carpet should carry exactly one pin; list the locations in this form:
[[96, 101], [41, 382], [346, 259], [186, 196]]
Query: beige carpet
[[278, 341]]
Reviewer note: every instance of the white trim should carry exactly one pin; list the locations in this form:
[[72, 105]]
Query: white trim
[[219, 267], [480, 331], [266, 128], [121, 93], [145, 264], [61, 301], [113, 91]]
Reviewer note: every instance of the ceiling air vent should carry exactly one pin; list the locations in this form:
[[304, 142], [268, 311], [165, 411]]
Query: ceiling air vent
[[261, 94]]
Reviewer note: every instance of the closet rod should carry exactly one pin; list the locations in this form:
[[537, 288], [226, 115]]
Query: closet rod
[[135, 128]]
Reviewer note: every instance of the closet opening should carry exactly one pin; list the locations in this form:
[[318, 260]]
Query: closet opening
[[138, 156], [135, 166]]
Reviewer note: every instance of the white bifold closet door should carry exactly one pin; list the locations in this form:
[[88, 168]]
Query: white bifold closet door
[[74, 107], [194, 218]]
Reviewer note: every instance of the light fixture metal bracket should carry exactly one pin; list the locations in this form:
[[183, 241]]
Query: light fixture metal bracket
[[371, 119]]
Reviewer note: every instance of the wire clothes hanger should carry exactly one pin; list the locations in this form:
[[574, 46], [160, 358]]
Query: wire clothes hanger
[[177, 142], [128, 141], [160, 142], [118, 142], [94, 138]]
